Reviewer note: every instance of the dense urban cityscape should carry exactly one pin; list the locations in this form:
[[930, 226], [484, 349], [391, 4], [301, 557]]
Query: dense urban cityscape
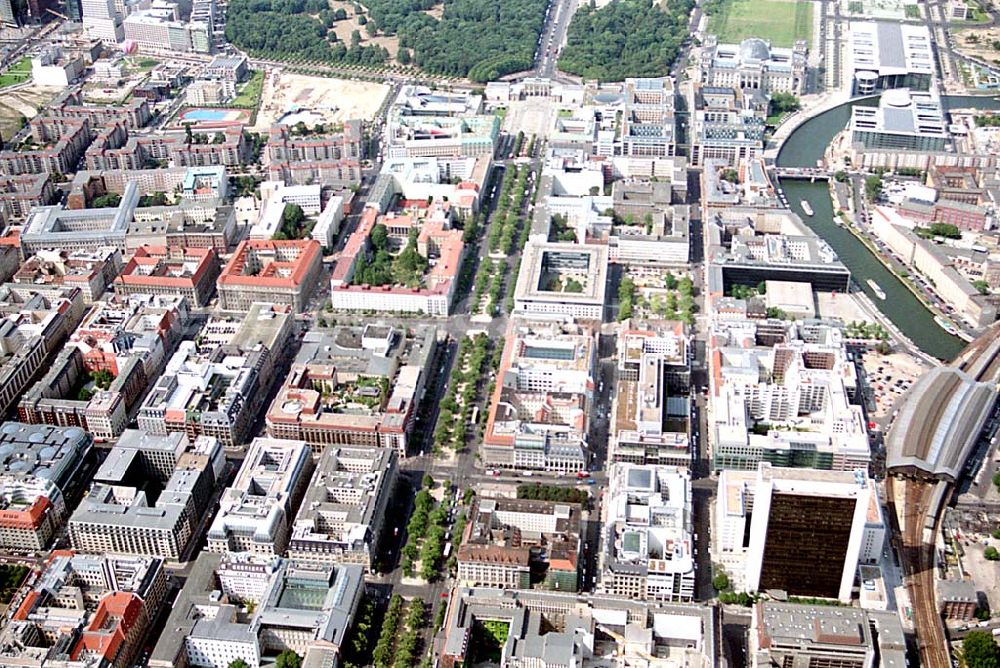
[[517, 333]]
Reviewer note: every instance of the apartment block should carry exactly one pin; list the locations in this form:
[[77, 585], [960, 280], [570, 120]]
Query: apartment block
[[64, 141], [20, 194], [116, 149], [190, 183], [342, 519], [148, 496], [134, 114], [256, 512], [328, 158]]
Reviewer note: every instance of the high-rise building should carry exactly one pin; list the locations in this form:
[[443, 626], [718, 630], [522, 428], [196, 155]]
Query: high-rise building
[[806, 530], [101, 20], [7, 16], [72, 9]]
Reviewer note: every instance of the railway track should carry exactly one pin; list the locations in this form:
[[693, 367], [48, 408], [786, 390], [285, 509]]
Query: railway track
[[918, 528]]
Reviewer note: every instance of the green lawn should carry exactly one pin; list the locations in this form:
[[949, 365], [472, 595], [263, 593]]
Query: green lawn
[[17, 73], [249, 97], [23, 65], [779, 21]]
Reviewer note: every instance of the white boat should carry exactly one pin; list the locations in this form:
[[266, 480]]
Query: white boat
[[805, 207], [946, 326], [876, 288]]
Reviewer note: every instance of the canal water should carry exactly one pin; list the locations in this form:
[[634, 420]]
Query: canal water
[[803, 148]]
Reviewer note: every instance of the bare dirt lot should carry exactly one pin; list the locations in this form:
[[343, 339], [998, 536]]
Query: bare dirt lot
[[335, 100], [22, 103], [984, 46]]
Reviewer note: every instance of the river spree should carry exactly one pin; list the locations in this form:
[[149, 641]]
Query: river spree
[[803, 148]]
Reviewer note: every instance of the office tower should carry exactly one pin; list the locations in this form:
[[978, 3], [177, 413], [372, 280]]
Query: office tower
[[807, 531]]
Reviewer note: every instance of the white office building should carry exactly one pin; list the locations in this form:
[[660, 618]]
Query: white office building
[[255, 513], [647, 544], [102, 21], [883, 55]]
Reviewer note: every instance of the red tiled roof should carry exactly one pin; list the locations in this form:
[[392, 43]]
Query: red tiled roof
[[233, 276], [154, 255]]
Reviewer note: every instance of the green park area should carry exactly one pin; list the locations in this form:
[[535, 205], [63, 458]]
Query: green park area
[[249, 95], [17, 73], [780, 22]]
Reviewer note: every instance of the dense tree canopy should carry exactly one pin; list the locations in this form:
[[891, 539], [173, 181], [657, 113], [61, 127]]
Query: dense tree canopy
[[288, 659], [480, 39], [979, 650], [407, 268], [626, 38], [283, 29]]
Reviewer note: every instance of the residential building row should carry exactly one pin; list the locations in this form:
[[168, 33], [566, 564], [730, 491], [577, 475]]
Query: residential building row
[[85, 610], [506, 539]]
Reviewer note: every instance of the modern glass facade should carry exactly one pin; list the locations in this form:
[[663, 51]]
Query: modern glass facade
[[807, 540]]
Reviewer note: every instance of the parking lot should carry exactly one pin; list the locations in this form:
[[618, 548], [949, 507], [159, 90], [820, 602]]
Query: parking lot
[[890, 377]]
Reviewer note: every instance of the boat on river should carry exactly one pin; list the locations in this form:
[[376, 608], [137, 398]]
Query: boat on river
[[877, 289], [946, 325], [807, 207]]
